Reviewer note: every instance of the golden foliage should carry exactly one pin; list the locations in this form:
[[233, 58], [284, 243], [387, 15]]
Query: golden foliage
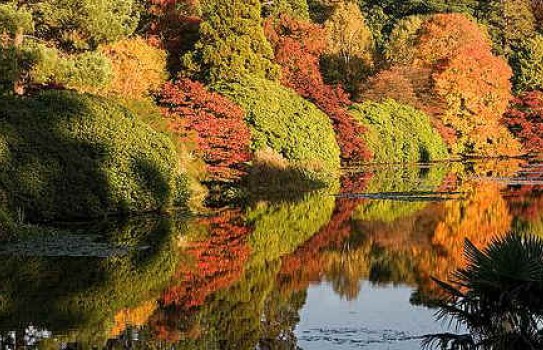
[[138, 68]]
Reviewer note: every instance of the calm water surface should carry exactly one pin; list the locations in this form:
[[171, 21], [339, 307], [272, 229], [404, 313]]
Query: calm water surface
[[348, 268]]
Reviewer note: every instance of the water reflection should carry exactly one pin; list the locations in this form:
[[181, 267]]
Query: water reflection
[[247, 277]]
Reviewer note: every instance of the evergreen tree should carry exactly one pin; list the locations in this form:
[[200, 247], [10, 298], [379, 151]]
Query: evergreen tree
[[64, 36], [232, 43], [293, 8], [510, 23]]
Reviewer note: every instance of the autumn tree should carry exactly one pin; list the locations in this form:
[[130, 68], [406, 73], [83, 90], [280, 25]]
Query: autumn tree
[[349, 53], [298, 46], [138, 68], [172, 25], [525, 120], [232, 43], [446, 35], [214, 123], [293, 8], [460, 82], [476, 88]]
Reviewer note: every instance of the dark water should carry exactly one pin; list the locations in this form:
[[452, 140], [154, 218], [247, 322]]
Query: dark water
[[349, 268]]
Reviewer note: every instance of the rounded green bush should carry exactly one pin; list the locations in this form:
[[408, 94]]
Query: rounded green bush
[[291, 126], [398, 133], [66, 156]]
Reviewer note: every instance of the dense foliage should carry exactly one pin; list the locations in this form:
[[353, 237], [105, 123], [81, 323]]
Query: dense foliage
[[293, 8], [454, 76], [138, 68], [528, 64], [67, 156], [283, 121], [524, 119], [349, 54], [213, 122], [399, 133], [452, 68], [298, 47], [232, 43]]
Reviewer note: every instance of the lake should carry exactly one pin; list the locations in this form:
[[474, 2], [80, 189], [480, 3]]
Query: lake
[[346, 268]]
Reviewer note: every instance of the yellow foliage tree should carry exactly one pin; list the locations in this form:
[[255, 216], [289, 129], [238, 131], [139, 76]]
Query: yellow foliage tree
[[138, 68], [349, 55]]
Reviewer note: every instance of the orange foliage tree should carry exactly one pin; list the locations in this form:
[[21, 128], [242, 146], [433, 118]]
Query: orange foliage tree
[[298, 46], [138, 68], [215, 124], [476, 88], [467, 86]]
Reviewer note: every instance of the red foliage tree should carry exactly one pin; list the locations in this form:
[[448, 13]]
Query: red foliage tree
[[525, 120], [216, 124], [173, 25], [298, 46]]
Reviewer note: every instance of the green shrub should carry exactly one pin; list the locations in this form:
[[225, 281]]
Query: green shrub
[[291, 126], [85, 72], [399, 133], [72, 156], [193, 168], [528, 65]]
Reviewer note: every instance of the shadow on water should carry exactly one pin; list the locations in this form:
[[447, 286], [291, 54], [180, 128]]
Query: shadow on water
[[242, 278], [78, 296]]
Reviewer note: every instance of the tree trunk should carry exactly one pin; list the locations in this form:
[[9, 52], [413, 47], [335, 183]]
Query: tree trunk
[[18, 84]]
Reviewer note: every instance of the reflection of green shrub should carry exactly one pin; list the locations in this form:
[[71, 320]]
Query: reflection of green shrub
[[76, 156], [399, 133], [291, 126], [79, 296], [399, 180], [280, 228]]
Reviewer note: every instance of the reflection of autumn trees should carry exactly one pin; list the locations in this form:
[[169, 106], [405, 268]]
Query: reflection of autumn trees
[[217, 260], [331, 253], [218, 300], [407, 250], [526, 200], [304, 266]]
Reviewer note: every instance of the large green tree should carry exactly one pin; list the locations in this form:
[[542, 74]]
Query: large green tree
[[232, 43], [55, 41], [76, 25], [509, 22]]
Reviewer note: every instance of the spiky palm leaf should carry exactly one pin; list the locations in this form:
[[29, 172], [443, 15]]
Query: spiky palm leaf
[[498, 296]]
